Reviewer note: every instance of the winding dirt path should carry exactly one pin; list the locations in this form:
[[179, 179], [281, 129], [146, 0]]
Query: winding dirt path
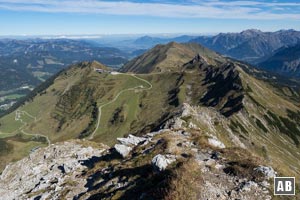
[[141, 87], [18, 118]]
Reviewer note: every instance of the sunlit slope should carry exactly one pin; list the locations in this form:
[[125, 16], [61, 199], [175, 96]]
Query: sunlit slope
[[69, 108], [237, 106], [64, 109]]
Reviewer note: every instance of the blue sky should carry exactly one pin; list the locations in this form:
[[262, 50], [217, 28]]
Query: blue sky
[[69, 17]]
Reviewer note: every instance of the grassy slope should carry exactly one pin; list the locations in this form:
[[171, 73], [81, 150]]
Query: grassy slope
[[262, 136], [139, 108]]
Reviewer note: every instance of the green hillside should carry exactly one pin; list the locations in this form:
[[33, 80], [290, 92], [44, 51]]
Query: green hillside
[[68, 108]]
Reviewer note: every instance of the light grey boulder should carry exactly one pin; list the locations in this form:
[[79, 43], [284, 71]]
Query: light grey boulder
[[162, 161], [216, 143], [248, 186], [269, 172], [123, 149], [131, 140]]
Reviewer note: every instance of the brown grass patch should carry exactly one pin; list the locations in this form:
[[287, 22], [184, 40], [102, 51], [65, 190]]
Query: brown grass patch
[[241, 163], [186, 182]]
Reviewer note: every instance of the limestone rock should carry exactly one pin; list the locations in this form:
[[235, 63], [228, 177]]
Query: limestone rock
[[131, 140], [162, 161], [187, 110], [123, 149], [269, 172], [175, 123], [216, 143], [48, 172], [248, 185]]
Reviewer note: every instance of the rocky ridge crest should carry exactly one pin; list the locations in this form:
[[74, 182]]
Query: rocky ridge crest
[[77, 170]]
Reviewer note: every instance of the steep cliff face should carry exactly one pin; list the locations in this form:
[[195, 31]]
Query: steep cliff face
[[220, 82], [225, 90]]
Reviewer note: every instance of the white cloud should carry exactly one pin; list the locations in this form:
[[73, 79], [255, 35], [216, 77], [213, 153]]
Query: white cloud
[[193, 9]]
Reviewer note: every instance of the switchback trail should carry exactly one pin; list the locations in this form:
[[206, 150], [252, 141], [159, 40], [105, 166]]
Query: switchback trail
[[141, 87]]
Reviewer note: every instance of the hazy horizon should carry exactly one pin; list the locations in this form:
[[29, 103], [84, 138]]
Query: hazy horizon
[[120, 36]]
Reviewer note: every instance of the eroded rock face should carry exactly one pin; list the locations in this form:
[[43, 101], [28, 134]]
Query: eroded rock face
[[48, 172], [225, 91]]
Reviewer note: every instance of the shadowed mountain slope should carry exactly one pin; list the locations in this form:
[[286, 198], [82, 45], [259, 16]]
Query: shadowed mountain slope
[[285, 61]]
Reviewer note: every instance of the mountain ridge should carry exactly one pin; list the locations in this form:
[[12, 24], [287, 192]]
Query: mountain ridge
[[168, 57], [249, 45], [204, 100]]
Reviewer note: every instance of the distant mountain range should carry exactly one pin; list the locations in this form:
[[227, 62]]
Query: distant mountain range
[[148, 42], [137, 46], [249, 45], [285, 61], [252, 46]]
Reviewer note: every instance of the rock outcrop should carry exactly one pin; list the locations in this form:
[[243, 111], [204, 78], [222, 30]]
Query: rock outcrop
[[123, 150], [161, 162], [267, 171], [216, 143], [48, 173], [127, 144], [131, 140]]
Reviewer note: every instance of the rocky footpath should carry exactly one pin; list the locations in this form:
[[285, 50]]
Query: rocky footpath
[[151, 166], [145, 167]]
